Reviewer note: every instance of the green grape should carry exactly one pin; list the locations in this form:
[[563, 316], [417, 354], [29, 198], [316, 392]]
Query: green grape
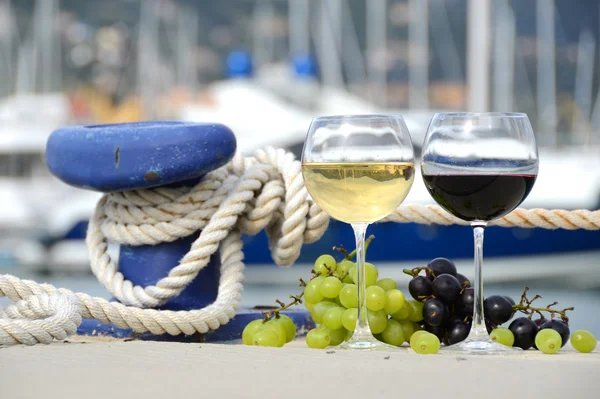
[[337, 336], [426, 344], [408, 328], [332, 318], [330, 287], [375, 298], [278, 328], [348, 279], [318, 338], [351, 271], [503, 336], [311, 291], [583, 341], [349, 296], [266, 337], [377, 320], [416, 314], [348, 334], [413, 339], [251, 328], [320, 309], [324, 264], [349, 319], [387, 284], [548, 341], [343, 268], [393, 333], [394, 301], [416, 326], [309, 306], [371, 274], [288, 325], [404, 313]]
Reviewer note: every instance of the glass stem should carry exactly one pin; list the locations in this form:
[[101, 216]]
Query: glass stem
[[362, 329], [478, 329]]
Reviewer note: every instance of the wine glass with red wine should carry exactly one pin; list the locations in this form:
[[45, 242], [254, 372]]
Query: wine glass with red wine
[[479, 167]]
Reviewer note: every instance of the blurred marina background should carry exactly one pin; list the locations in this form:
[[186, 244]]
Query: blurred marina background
[[265, 68]]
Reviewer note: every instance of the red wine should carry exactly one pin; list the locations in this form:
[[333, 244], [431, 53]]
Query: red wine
[[480, 197]]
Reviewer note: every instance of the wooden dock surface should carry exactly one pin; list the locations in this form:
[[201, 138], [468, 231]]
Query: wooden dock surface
[[137, 369]]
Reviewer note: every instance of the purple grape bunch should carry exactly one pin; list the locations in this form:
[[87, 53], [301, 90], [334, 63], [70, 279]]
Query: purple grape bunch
[[448, 301]]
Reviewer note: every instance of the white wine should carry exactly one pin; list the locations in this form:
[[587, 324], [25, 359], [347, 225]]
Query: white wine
[[358, 192]]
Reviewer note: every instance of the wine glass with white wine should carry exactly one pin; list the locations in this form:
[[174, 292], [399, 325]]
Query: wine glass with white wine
[[359, 169]]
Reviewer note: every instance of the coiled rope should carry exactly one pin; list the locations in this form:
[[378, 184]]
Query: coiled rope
[[245, 196]]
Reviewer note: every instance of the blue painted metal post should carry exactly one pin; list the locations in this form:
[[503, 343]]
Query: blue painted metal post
[[133, 156]]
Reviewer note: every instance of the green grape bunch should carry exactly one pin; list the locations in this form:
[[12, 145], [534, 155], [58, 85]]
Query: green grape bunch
[[331, 297]]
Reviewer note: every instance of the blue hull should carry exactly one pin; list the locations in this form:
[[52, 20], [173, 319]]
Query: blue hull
[[409, 241]]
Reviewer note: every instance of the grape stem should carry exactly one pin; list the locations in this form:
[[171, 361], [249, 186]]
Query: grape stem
[[351, 255], [417, 270], [297, 299], [524, 306]]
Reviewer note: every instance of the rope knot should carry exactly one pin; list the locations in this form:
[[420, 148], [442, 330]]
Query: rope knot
[[39, 318]]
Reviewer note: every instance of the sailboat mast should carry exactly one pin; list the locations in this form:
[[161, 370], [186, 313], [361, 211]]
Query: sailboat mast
[[418, 51], [263, 44], [298, 15], [331, 37], [584, 82], [546, 72], [478, 54], [187, 34], [148, 57], [504, 57], [6, 48], [377, 50]]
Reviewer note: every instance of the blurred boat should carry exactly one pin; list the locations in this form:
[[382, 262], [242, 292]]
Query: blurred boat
[[263, 113], [272, 107]]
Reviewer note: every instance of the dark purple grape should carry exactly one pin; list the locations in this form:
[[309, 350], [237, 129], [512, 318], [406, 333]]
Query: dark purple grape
[[540, 322], [560, 328], [512, 303], [444, 339], [438, 331], [447, 288], [463, 307], [420, 287], [439, 266], [435, 312], [524, 330], [489, 326], [464, 282], [457, 332], [497, 309]]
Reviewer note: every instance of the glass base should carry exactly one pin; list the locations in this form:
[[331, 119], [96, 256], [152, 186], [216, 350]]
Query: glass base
[[480, 347], [365, 343]]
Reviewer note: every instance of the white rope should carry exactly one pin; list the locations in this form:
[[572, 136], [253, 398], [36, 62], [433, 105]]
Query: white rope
[[245, 196], [527, 218]]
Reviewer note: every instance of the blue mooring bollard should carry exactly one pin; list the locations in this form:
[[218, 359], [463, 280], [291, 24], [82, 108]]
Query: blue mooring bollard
[[133, 156]]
